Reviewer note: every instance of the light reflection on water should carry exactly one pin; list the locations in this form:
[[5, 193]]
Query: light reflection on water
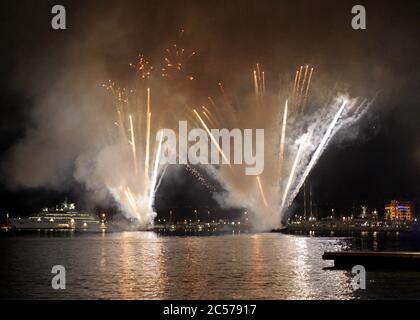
[[142, 265]]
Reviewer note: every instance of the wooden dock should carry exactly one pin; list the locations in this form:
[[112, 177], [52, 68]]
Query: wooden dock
[[372, 260]]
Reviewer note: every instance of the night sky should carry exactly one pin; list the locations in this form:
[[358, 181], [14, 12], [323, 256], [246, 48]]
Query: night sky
[[381, 164]]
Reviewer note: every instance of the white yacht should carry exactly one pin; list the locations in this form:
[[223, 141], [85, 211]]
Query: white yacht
[[62, 217]]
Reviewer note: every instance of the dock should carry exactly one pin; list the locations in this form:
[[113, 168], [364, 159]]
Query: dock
[[374, 260]]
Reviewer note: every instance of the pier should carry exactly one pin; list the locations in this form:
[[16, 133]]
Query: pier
[[391, 261]]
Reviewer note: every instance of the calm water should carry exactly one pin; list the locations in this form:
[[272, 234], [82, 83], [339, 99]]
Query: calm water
[[143, 265]]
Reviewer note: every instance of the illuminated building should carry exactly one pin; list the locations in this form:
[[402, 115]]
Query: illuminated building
[[399, 210]]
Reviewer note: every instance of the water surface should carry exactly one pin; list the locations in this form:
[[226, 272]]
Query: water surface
[[143, 265]]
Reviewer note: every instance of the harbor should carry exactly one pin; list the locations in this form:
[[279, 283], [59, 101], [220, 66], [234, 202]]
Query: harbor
[[397, 216]]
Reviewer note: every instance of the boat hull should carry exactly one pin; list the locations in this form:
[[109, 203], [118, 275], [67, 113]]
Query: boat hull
[[30, 224]]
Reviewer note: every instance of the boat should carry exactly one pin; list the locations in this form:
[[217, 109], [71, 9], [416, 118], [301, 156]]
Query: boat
[[63, 217]]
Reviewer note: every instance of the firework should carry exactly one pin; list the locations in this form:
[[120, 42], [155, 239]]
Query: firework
[[135, 193], [133, 144], [149, 119], [278, 185], [302, 86], [293, 146], [295, 83], [306, 91], [321, 146], [262, 191], [174, 63], [296, 95], [283, 138], [142, 67], [263, 82], [212, 138], [155, 171], [259, 78], [291, 175], [301, 89], [257, 91]]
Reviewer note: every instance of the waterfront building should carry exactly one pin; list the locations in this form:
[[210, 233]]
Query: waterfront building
[[399, 210]]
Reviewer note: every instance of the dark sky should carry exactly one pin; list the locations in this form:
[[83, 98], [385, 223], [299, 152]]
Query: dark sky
[[230, 36]]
